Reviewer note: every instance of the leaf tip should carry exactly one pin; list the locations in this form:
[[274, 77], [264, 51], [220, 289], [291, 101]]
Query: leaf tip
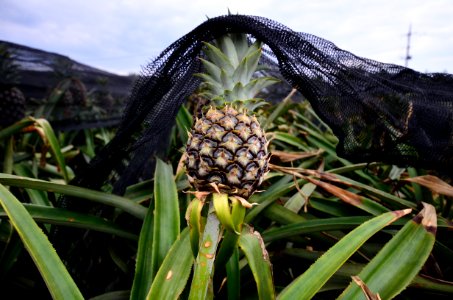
[[403, 212], [427, 218]]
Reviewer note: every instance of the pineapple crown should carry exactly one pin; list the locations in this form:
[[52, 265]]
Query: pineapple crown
[[229, 68]]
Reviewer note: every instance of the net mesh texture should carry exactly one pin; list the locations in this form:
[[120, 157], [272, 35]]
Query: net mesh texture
[[379, 112]]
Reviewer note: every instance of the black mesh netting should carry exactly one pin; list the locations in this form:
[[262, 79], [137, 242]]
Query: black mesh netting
[[379, 112]]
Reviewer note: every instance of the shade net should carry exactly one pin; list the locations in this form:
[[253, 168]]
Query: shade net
[[379, 112]]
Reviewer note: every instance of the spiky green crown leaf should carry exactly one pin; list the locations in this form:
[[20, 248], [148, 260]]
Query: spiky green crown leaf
[[230, 65]]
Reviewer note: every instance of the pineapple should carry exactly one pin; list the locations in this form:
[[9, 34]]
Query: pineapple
[[74, 91], [227, 148], [102, 96], [12, 100], [73, 98]]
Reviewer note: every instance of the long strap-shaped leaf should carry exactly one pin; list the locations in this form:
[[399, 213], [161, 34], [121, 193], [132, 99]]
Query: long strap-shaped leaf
[[204, 266], [394, 267], [253, 247], [233, 276], [306, 285], [143, 266], [159, 231], [52, 269], [36, 196], [59, 216], [174, 271], [15, 128], [194, 220], [108, 199], [48, 136], [166, 213], [310, 226]]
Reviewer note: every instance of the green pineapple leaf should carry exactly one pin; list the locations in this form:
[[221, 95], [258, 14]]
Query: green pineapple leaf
[[257, 84], [215, 55], [242, 45], [228, 47], [251, 61], [236, 94], [213, 87], [211, 69], [256, 103], [226, 80]]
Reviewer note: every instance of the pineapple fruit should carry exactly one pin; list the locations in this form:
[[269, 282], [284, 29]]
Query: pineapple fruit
[[227, 148], [74, 93], [12, 100], [102, 96]]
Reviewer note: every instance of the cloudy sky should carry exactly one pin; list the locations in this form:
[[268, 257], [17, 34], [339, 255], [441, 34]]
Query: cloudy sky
[[121, 36]]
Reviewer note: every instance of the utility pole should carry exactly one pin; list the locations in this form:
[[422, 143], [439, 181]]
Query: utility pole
[[408, 47]]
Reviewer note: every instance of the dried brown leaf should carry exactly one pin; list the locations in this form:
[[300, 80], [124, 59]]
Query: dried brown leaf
[[427, 217], [285, 156], [434, 183], [343, 194]]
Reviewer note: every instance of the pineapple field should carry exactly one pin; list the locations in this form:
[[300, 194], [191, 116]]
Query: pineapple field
[[243, 196]]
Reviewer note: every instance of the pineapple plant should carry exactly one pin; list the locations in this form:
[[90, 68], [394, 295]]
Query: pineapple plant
[[227, 148], [74, 93], [102, 97], [226, 156], [12, 100]]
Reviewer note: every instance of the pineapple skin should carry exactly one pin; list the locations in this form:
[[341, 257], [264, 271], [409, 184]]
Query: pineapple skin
[[228, 148]]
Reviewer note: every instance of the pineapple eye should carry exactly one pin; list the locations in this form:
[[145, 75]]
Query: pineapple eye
[[216, 178], [243, 131], [192, 159], [243, 157], [256, 129], [215, 132], [222, 157], [234, 174], [243, 118], [208, 161], [251, 171], [254, 144], [207, 147], [214, 115], [202, 125], [228, 122], [231, 141], [194, 142], [261, 154]]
